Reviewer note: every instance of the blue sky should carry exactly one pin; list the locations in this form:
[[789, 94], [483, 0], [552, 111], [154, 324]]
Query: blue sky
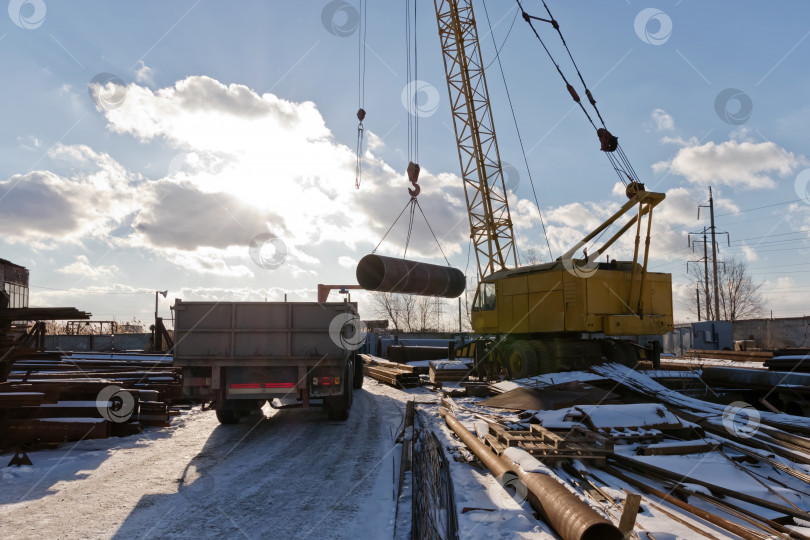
[[236, 121]]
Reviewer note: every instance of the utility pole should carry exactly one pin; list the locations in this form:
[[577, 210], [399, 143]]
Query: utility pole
[[706, 279], [714, 258], [716, 287], [705, 260]]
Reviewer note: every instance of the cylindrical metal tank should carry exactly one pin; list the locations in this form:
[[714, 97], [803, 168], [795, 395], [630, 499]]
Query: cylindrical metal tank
[[387, 274]]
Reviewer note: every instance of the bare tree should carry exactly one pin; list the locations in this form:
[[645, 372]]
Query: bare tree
[[410, 313], [424, 312], [133, 326], [55, 327], [469, 296], [530, 257], [386, 305], [739, 296], [407, 310]]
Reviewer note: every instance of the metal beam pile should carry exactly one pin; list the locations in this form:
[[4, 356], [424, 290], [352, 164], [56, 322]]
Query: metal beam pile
[[16, 340], [54, 399], [398, 375], [739, 356]]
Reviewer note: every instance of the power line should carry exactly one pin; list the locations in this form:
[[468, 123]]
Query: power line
[[771, 235], [760, 207]]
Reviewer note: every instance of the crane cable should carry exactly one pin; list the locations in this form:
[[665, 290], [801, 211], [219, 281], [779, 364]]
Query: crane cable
[[361, 89], [412, 81], [517, 129], [508, 33], [413, 169], [609, 143], [412, 205]]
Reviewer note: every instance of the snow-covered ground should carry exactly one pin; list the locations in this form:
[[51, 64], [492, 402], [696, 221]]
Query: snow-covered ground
[[287, 474], [293, 474]]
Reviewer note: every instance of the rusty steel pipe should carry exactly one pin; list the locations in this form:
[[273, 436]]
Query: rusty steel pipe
[[387, 274], [571, 518]]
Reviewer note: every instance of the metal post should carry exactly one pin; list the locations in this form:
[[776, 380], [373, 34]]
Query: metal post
[[697, 293]]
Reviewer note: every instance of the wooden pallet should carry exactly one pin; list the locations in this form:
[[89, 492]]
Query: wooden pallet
[[550, 447]]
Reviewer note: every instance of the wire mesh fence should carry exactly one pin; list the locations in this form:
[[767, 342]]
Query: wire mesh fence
[[434, 515]]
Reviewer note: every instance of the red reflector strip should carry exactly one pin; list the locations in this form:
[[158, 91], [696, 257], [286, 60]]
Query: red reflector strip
[[246, 385], [279, 385]]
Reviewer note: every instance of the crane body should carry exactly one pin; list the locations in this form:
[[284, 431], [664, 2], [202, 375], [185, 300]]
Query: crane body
[[562, 315]]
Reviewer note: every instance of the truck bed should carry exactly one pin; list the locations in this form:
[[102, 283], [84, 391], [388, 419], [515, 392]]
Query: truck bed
[[257, 333]]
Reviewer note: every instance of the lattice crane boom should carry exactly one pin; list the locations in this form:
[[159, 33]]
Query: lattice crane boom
[[488, 209]]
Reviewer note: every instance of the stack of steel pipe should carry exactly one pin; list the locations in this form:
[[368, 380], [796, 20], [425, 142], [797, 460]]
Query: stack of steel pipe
[[795, 363]]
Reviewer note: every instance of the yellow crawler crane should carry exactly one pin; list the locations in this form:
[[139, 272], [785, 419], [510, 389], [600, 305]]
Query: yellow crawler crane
[[562, 315]]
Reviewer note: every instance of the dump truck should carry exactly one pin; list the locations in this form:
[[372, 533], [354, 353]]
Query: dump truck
[[240, 355]]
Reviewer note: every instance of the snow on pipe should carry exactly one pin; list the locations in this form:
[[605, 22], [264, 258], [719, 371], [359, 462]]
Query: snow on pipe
[[571, 518], [387, 274]]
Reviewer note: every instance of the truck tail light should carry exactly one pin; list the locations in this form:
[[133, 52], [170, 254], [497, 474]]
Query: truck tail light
[[314, 381], [326, 381], [279, 385], [337, 381]]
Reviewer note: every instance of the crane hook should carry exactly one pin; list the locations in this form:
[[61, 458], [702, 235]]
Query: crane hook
[[413, 176]]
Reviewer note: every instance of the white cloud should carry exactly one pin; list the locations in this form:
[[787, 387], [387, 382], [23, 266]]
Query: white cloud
[[347, 262], [224, 263], [725, 205], [575, 215], [246, 164], [679, 208], [680, 141], [144, 74], [660, 120], [738, 164], [91, 201], [750, 254], [82, 267]]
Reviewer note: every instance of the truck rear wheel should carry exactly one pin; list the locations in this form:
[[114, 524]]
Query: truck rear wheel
[[358, 374], [228, 412]]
